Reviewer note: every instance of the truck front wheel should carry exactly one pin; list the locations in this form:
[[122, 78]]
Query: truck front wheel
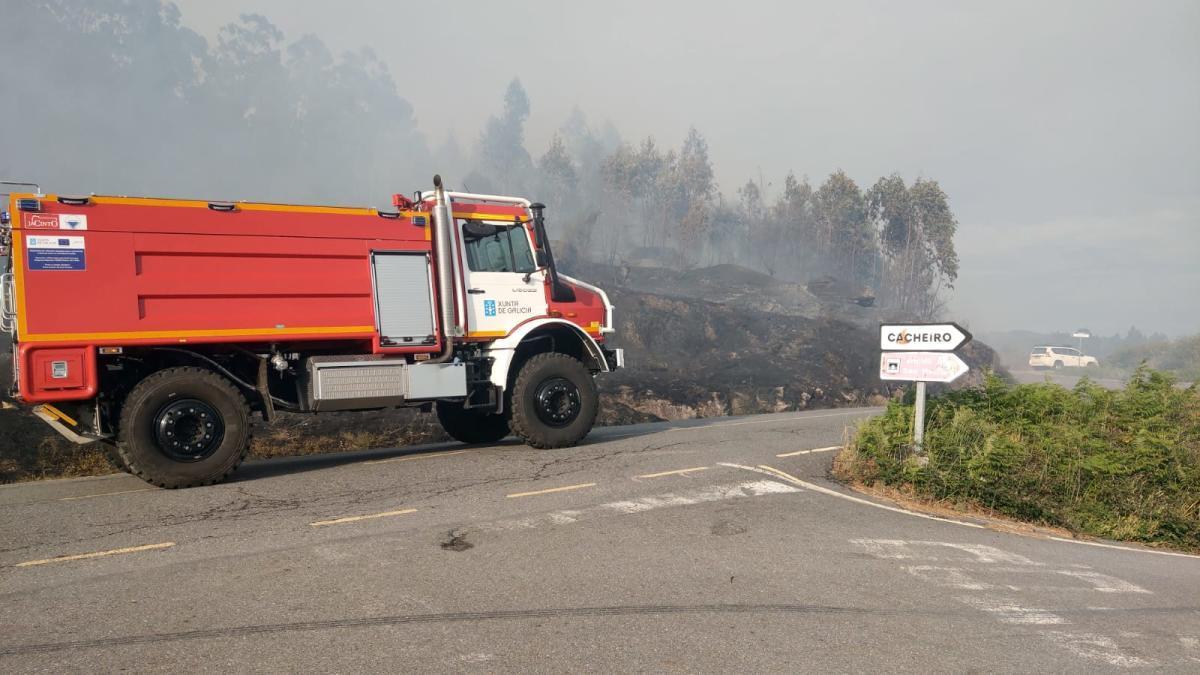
[[554, 401], [470, 426], [183, 427]]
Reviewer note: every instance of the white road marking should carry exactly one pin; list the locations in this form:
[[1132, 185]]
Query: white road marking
[[405, 458], [105, 494], [710, 493], [551, 490], [1124, 548], [947, 576], [983, 553], [896, 549], [1004, 608], [833, 493], [355, 519], [1190, 645], [564, 517], [901, 549], [660, 474], [809, 452], [1103, 583], [1099, 648], [1007, 611], [97, 554]]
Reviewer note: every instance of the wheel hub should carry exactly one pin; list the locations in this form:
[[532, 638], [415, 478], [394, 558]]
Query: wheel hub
[[188, 430], [558, 402]]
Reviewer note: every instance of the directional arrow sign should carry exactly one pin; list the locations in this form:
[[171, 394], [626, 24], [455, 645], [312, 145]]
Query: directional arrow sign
[[924, 337], [921, 366]]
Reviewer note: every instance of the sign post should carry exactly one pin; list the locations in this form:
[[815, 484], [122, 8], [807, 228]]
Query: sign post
[[921, 353], [1081, 334], [919, 419]]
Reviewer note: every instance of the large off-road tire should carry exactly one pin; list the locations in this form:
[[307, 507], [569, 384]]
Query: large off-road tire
[[183, 427], [553, 401], [471, 426]]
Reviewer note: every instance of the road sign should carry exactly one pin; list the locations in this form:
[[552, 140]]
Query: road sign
[[922, 337], [921, 366]]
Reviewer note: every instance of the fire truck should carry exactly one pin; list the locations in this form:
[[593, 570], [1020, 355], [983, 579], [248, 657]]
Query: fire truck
[[160, 327]]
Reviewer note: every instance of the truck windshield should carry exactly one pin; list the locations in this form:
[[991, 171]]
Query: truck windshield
[[506, 250]]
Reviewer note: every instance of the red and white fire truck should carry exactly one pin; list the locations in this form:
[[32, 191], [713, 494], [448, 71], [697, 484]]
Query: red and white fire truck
[[159, 326]]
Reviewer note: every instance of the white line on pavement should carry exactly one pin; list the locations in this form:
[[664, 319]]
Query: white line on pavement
[[834, 493]]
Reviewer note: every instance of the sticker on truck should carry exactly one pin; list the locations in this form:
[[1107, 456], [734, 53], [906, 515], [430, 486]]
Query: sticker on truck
[[55, 221], [58, 254]]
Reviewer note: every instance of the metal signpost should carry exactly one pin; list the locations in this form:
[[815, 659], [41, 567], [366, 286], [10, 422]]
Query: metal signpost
[[1081, 334], [921, 352]]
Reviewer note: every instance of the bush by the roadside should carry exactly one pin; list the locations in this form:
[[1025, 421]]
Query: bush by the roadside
[[1120, 464], [1181, 357]]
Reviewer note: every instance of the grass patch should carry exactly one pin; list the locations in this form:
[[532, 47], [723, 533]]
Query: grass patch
[[1121, 464]]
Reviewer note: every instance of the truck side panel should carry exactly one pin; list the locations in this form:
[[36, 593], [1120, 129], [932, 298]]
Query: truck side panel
[[151, 272]]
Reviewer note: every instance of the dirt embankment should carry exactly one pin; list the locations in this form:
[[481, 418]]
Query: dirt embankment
[[717, 341]]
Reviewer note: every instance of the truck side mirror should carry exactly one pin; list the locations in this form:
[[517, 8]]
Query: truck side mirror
[[540, 258]]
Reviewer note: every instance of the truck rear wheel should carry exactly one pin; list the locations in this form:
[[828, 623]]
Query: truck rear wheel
[[183, 427], [554, 401], [471, 426]]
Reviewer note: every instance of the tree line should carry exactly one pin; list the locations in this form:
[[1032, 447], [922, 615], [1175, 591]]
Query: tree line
[[621, 201], [140, 103]]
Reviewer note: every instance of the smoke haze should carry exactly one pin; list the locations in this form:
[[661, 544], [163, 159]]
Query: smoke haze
[[1063, 134]]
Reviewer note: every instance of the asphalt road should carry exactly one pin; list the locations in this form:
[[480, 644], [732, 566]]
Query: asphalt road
[[1067, 377], [716, 545]]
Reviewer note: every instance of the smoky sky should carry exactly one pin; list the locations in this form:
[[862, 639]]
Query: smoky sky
[[1067, 134]]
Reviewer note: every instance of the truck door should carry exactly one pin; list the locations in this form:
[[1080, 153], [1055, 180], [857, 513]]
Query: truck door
[[504, 285]]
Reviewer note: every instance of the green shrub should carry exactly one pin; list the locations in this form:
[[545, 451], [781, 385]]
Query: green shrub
[[1122, 464]]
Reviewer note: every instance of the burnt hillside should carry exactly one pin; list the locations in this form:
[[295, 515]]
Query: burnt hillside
[[727, 340]]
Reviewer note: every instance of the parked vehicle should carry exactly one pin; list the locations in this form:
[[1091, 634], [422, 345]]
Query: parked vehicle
[[1060, 357], [159, 326]]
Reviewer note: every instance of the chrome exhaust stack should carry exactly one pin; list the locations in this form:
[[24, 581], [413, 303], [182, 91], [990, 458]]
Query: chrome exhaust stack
[[443, 239]]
